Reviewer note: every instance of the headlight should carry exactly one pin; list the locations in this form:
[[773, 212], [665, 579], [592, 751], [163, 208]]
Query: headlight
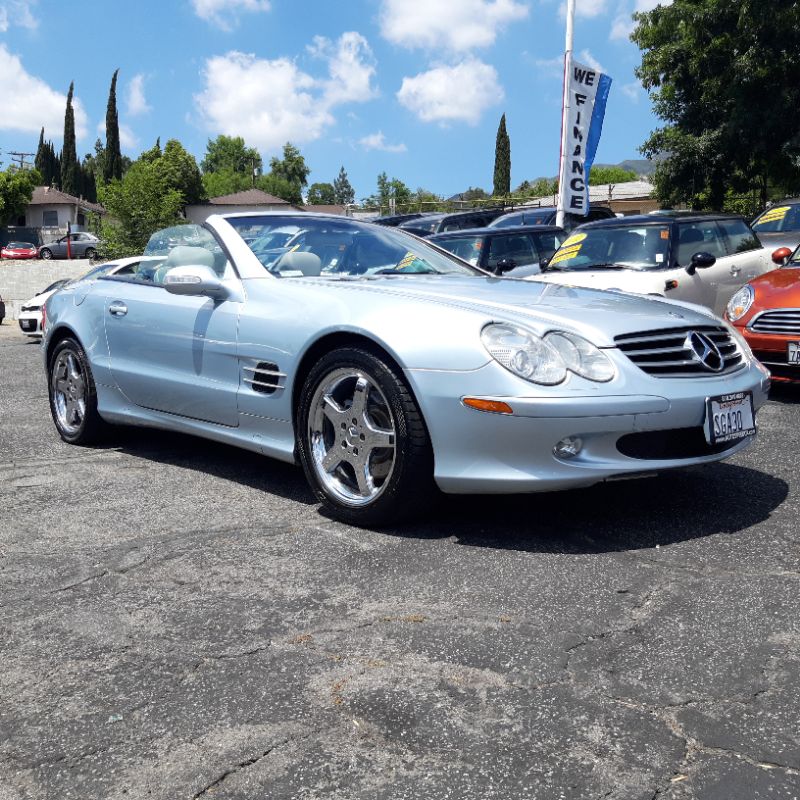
[[524, 354], [582, 357], [740, 303]]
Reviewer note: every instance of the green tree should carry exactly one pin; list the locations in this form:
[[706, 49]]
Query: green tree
[[342, 190], [321, 194], [541, 187], [599, 176], [180, 172], [225, 181], [280, 187], [139, 204], [502, 160], [16, 191], [292, 167], [231, 154], [70, 169], [723, 76], [112, 166]]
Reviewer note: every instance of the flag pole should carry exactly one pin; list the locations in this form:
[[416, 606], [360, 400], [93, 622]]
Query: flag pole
[[565, 111]]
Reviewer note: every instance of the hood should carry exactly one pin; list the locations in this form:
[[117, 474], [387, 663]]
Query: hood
[[772, 241], [779, 288], [597, 315]]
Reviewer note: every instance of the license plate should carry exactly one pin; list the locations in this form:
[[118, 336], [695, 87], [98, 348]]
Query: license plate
[[793, 353], [26, 324], [729, 417]]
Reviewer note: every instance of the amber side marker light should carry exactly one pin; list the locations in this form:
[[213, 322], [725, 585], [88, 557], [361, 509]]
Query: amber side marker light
[[493, 406]]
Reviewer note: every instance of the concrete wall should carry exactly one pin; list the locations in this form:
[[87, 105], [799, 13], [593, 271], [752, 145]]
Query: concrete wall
[[20, 280]]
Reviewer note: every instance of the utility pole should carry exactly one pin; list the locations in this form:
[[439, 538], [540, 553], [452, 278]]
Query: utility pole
[[21, 158]]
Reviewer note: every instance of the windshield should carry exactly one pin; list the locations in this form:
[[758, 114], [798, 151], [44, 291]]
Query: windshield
[[342, 248], [635, 247], [467, 248], [19, 246], [778, 219], [56, 285]]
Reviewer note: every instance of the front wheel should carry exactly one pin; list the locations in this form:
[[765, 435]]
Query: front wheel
[[362, 440], [73, 397], [45, 253]]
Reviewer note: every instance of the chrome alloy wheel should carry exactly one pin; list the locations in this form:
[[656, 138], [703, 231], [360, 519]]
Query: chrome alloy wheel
[[351, 435], [69, 392]]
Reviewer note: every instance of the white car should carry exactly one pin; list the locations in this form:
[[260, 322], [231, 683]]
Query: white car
[[30, 318], [695, 258]]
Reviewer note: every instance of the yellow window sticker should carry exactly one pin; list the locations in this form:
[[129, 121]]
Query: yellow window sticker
[[576, 238], [773, 215], [570, 248]]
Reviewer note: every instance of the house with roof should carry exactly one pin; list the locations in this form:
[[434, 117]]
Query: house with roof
[[51, 208], [247, 200]]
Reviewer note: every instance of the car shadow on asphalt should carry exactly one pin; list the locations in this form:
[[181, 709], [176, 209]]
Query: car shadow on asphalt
[[675, 506], [672, 507], [785, 394]]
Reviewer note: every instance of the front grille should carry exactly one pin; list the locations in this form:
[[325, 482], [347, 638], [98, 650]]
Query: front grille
[[664, 353], [785, 322], [670, 445], [264, 377]]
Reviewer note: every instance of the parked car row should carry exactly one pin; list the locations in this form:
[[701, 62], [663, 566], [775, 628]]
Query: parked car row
[[81, 245]]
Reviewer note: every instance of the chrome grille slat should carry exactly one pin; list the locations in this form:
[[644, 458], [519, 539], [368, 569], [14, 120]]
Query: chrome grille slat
[[784, 322], [266, 378], [662, 353]]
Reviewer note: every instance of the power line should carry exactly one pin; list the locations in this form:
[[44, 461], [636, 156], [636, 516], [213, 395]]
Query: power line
[[21, 158]]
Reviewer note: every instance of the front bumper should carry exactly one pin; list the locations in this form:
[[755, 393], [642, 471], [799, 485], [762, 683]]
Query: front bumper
[[771, 350], [479, 452], [30, 323]]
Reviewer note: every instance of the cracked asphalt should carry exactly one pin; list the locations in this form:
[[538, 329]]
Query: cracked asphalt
[[177, 620]]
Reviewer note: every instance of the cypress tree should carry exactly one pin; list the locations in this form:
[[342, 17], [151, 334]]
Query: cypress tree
[[344, 193], [70, 178], [41, 158], [502, 161], [113, 163]]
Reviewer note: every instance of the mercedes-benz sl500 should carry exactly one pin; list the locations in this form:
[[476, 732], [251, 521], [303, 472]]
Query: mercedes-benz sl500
[[387, 367]]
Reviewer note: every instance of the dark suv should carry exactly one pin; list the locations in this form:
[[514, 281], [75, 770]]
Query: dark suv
[[547, 216], [458, 221]]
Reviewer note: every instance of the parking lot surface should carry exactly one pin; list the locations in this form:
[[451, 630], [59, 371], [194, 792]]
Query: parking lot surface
[[178, 620]]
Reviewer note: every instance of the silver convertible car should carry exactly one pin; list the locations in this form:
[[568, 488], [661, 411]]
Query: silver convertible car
[[388, 367]]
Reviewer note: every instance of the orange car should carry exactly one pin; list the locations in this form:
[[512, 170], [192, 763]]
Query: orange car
[[767, 312]]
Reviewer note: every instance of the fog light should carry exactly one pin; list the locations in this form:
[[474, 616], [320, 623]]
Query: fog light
[[569, 447]]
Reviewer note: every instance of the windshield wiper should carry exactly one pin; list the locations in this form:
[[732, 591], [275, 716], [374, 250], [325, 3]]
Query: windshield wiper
[[395, 271]]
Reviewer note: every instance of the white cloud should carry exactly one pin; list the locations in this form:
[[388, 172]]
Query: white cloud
[[585, 57], [448, 94], [551, 67], [351, 66], [377, 141], [17, 13], [632, 91], [649, 5], [127, 138], [455, 26], [34, 103], [586, 8], [623, 23], [225, 13], [137, 102], [269, 102]]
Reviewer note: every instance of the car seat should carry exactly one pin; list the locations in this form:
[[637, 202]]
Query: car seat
[[184, 256], [309, 264]]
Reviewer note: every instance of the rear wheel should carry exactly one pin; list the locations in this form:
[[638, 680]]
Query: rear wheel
[[90, 253], [73, 397], [362, 440], [46, 253]]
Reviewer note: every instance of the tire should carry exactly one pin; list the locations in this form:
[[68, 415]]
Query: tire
[[372, 465], [73, 396], [46, 253], [90, 253]]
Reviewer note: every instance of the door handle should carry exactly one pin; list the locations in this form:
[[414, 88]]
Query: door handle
[[735, 270], [117, 309]]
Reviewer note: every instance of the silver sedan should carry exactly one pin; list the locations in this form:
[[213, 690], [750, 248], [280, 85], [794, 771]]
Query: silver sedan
[[387, 367]]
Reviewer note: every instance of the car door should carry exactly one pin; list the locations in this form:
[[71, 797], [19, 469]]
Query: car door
[[174, 353], [749, 258], [710, 286]]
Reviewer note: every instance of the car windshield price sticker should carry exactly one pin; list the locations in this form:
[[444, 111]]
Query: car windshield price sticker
[[729, 417], [793, 353]]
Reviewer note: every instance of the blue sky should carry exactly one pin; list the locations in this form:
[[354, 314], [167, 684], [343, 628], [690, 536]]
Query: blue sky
[[412, 87]]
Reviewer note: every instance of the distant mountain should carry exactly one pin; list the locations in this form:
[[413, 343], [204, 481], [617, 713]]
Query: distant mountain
[[641, 166]]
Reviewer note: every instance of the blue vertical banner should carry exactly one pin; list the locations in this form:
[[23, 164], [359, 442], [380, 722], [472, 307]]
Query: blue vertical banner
[[586, 97]]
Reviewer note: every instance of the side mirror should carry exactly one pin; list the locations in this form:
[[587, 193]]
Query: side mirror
[[504, 265], [781, 256], [543, 262], [701, 261], [195, 281]]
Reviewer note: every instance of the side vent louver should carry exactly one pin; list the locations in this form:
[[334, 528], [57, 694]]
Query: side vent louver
[[264, 377]]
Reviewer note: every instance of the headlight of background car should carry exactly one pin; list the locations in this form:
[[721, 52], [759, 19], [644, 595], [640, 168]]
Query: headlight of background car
[[582, 357], [740, 303], [545, 360]]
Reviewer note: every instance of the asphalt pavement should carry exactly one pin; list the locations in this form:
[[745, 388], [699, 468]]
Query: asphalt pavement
[[178, 620]]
